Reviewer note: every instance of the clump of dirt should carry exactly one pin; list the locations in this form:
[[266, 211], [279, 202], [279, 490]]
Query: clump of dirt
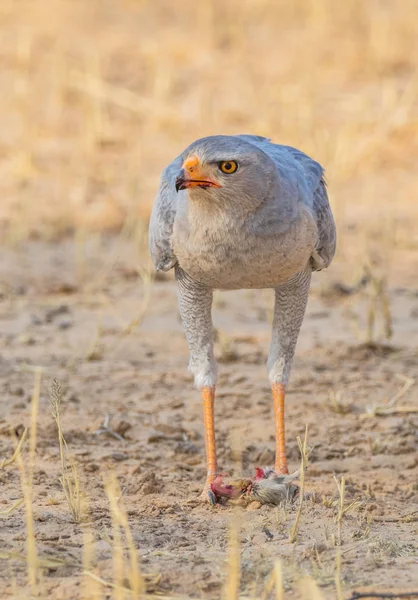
[[148, 483]]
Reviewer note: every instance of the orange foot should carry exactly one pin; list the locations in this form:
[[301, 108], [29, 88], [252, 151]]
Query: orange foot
[[283, 470]]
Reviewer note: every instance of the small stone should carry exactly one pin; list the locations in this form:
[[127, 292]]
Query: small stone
[[122, 427], [55, 312], [91, 467], [64, 323], [17, 391], [119, 456]]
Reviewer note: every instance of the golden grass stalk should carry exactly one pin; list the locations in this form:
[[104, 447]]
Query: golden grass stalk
[[339, 404], [342, 509], [34, 575], [13, 582], [120, 524], [47, 562], [378, 303], [338, 581], [274, 581], [278, 573], [70, 480], [6, 462], [340, 514], [304, 455], [233, 572], [309, 589], [8, 511], [91, 590]]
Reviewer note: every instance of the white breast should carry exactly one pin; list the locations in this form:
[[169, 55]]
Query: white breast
[[231, 258]]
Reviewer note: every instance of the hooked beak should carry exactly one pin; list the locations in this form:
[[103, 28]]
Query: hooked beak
[[191, 175]]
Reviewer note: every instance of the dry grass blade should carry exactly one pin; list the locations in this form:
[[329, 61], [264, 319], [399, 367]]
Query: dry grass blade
[[8, 511], [48, 562], [342, 509], [268, 588], [278, 573], [341, 492], [304, 456], [391, 408], [408, 383], [91, 589], [128, 591], [70, 480], [338, 581], [33, 421], [120, 524], [231, 588], [339, 404], [119, 588], [34, 574], [309, 589], [9, 461]]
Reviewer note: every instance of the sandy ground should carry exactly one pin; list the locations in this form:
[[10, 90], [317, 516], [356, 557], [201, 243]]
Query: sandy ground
[[49, 318]]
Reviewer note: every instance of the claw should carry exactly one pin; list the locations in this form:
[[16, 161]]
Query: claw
[[212, 498]]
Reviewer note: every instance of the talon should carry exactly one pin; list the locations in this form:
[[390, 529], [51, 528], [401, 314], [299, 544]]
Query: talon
[[212, 498]]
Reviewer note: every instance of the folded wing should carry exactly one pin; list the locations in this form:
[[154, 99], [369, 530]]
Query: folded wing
[[162, 220]]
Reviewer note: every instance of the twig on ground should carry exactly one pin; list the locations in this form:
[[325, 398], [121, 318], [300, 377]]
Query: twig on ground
[[408, 518], [106, 429], [391, 408], [383, 595]]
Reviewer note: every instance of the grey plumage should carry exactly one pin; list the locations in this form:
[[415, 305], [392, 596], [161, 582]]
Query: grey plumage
[[275, 490], [269, 225], [294, 178]]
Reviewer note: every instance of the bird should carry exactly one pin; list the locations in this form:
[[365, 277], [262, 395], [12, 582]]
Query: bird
[[266, 487], [241, 212]]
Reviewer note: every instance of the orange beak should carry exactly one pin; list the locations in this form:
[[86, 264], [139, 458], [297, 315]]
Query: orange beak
[[192, 175]]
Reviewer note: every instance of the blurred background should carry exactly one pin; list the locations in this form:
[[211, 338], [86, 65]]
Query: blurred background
[[97, 97]]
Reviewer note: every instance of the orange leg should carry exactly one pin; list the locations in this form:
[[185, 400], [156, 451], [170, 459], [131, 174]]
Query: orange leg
[[208, 397], [280, 465]]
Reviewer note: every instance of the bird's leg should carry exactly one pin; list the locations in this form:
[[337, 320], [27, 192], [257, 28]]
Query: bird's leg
[[208, 398], [290, 304], [280, 464], [195, 304]]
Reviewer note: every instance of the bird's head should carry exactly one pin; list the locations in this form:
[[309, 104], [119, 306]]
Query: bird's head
[[224, 169]]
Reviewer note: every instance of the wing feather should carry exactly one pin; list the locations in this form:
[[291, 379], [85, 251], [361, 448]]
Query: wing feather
[[162, 220], [315, 176], [327, 235]]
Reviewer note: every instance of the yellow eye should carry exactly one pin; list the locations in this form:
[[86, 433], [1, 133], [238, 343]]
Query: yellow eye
[[228, 166]]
